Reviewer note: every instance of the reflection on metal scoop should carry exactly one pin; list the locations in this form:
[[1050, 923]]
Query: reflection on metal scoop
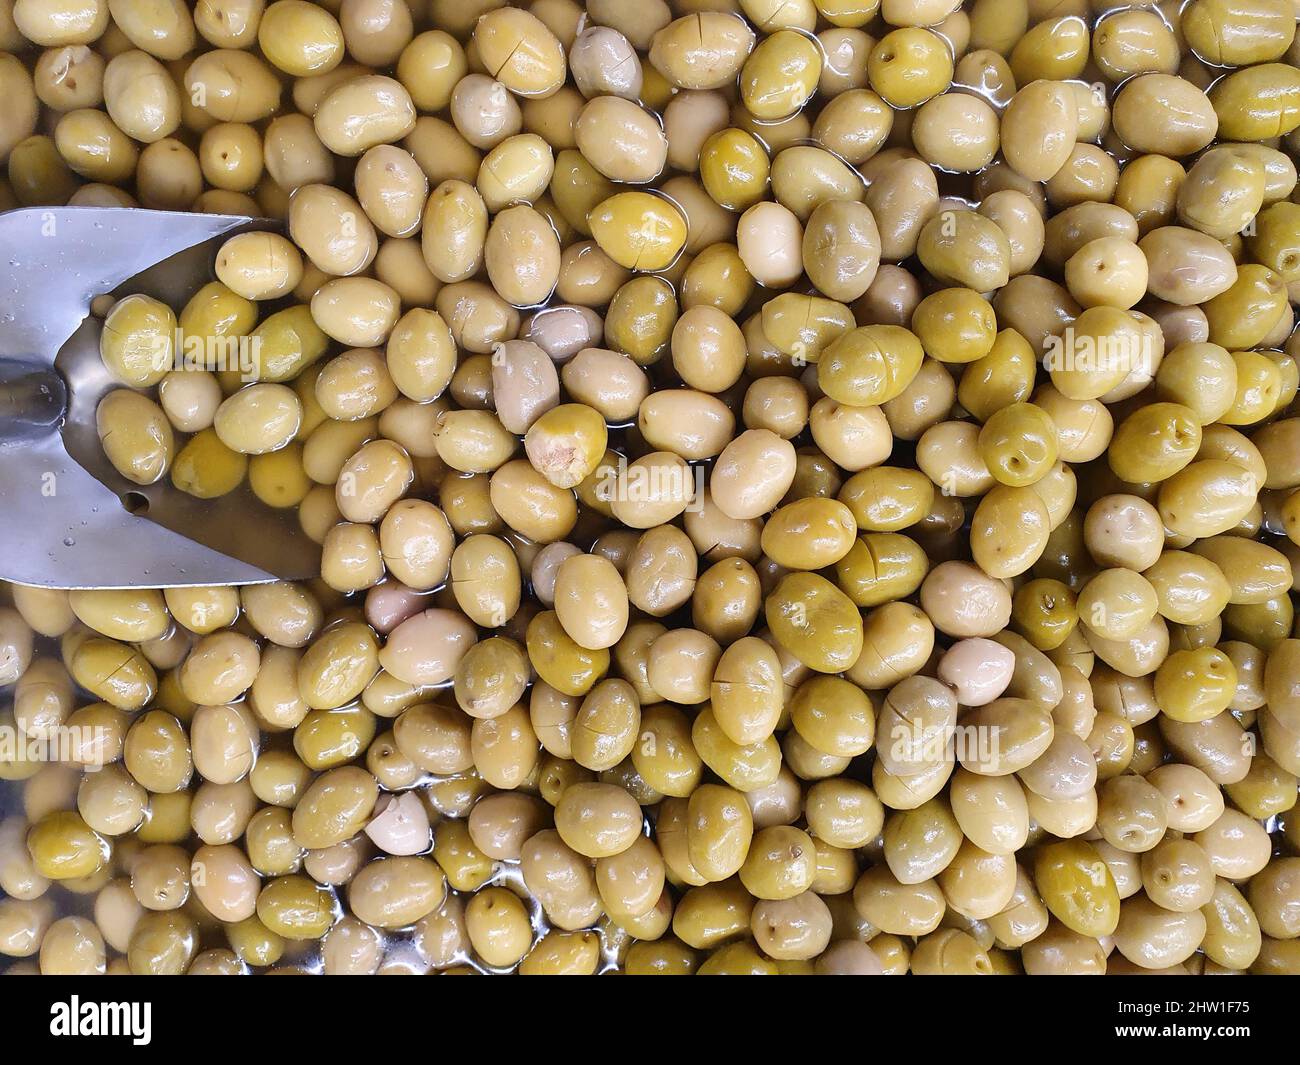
[[67, 518]]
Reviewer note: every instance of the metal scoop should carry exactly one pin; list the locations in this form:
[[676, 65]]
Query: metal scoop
[[67, 518]]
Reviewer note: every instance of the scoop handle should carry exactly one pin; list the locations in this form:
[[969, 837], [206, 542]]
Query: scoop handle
[[33, 400]]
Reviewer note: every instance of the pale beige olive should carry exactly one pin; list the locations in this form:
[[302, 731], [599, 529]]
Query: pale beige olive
[[425, 648], [397, 891], [621, 140], [235, 86], [335, 807], [190, 399], [363, 112], [141, 97], [597, 820], [522, 256], [69, 22], [332, 230], [223, 743], [964, 601], [258, 419], [702, 51], [602, 60], [956, 132], [135, 435], [1153, 937], [769, 238], [1163, 115], [1186, 267], [355, 311], [520, 50], [259, 266], [1038, 129], [591, 601], [608, 381], [72, 946], [518, 169]]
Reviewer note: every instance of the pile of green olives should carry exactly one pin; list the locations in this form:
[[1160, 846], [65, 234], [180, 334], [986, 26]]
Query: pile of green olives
[[803, 487]]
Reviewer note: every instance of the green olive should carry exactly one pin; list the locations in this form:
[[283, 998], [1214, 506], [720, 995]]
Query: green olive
[[138, 341], [888, 498], [1009, 531], [1154, 443], [881, 568], [638, 230], [1019, 444], [565, 665], [1045, 611], [734, 168], [780, 75], [810, 533], [909, 65], [296, 908], [869, 365], [1002, 377], [833, 715], [1077, 887], [955, 325], [815, 621], [64, 847]]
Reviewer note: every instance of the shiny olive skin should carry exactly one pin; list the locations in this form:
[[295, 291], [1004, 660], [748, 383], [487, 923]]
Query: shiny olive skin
[[801, 487]]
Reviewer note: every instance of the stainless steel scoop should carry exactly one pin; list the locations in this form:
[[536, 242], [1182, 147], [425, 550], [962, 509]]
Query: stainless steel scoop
[[67, 518]]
